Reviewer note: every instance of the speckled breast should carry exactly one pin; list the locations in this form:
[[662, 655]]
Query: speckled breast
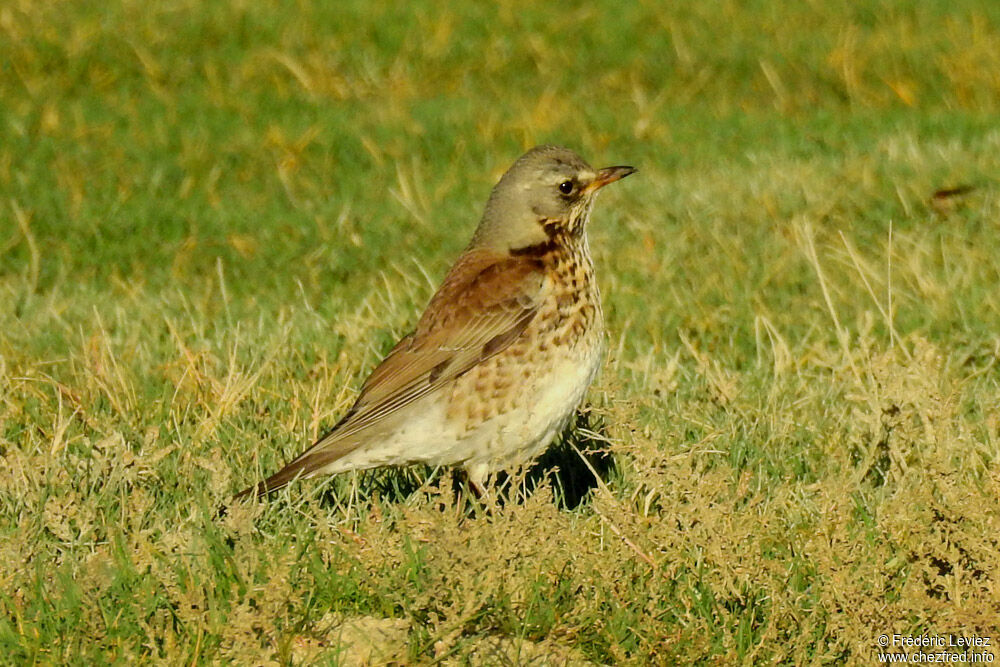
[[519, 399]]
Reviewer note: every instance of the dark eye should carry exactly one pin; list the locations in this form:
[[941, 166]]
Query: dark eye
[[566, 187]]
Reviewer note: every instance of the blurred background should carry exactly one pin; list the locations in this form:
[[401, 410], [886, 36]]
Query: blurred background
[[145, 140]]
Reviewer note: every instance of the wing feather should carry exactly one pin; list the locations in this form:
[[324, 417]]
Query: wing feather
[[484, 304]]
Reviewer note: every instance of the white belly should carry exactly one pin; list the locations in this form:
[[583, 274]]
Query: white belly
[[429, 435]]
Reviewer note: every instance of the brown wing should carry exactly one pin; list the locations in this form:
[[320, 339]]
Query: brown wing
[[484, 304]]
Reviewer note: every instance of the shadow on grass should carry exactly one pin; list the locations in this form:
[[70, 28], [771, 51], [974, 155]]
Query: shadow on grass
[[571, 477]]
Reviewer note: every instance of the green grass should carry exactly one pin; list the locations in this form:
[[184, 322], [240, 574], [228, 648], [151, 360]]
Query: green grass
[[216, 217]]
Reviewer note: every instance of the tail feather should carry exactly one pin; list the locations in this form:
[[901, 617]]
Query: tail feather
[[326, 450], [275, 482]]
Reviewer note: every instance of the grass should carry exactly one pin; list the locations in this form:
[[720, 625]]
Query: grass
[[215, 218]]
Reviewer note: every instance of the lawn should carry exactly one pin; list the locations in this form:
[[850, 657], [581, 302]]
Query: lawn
[[215, 218]]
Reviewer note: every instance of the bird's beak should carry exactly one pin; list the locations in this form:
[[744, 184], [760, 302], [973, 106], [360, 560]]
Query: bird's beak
[[608, 175]]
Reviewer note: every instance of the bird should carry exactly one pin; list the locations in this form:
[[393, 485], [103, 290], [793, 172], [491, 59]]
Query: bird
[[504, 352]]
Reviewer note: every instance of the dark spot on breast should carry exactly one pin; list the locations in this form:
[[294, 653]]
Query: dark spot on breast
[[566, 301]]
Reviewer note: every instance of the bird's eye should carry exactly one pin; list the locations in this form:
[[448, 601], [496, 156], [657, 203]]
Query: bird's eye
[[566, 187]]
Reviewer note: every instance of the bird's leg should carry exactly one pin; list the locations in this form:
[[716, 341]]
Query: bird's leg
[[477, 477]]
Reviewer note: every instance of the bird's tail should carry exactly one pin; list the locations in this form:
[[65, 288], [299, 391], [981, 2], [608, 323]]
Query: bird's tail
[[327, 449], [278, 480]]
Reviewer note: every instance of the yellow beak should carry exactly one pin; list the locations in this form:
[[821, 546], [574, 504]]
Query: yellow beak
[[608, 175]]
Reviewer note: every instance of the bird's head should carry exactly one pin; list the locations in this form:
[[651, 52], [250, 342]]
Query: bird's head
[[545, 195]]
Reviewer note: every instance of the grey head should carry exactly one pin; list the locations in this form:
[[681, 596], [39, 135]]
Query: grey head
[[546, 195]]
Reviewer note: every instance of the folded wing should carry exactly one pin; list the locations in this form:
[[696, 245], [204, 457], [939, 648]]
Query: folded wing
[[486, 302]]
